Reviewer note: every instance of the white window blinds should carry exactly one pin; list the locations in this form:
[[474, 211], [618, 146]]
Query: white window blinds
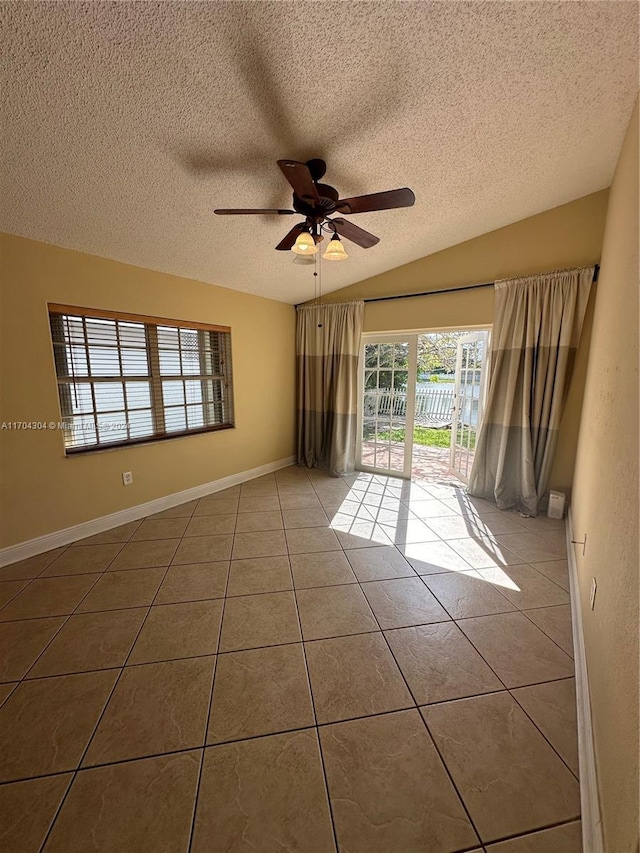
[[125, 379]]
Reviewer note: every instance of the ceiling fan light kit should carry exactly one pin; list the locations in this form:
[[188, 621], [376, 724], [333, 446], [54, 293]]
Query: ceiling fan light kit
[[317, 203], [335, 250], [304, 245]]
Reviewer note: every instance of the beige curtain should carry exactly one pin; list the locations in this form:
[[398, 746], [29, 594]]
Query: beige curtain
[[327, 348], [536, 330]]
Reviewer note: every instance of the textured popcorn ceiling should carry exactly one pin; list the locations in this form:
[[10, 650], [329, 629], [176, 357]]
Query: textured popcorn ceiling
[[126, 124]]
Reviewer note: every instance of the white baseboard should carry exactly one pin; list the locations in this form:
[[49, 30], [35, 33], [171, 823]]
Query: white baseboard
[[40, 544], [592, 840]]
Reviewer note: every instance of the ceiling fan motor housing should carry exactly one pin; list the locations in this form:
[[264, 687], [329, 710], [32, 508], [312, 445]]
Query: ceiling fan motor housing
[[318, 208], [316, 202]]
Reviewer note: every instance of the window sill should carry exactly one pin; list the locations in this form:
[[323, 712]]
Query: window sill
[[137, 442]]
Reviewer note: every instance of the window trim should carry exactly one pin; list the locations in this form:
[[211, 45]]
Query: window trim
[[99, 314], [154, 378]]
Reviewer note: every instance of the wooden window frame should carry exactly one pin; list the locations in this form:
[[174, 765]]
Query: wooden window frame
[[222, 405]]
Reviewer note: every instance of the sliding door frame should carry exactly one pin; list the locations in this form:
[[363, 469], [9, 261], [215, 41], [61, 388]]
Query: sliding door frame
[[410, 337], [380, 338]]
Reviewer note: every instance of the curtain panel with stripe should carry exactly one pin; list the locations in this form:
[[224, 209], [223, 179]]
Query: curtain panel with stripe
[[327, 350], [537, 324]]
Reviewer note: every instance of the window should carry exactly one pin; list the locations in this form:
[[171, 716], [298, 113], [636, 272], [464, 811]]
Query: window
[[124, 379]]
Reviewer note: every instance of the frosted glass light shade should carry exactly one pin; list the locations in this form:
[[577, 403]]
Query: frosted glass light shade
[[335, 251], [304, 244]]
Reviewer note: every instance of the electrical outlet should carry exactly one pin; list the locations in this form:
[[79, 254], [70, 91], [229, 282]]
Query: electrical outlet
[[127, 478], [592, 594]]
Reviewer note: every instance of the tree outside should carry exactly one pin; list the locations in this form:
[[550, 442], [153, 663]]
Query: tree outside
[[386, 365]]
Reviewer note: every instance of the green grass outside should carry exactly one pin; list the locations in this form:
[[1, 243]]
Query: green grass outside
[[425, 436]]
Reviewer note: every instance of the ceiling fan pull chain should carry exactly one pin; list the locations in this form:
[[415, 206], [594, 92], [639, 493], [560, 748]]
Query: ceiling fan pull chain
[[319, 279]]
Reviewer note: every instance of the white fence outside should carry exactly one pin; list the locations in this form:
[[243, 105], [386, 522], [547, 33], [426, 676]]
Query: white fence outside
[[434, 406]]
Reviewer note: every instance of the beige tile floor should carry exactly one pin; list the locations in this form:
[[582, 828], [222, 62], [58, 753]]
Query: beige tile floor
[[299, 663]]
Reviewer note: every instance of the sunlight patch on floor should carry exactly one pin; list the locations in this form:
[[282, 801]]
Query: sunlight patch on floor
[[378, 509]]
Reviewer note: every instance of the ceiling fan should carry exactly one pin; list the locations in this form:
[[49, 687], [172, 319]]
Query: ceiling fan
[[317, 202]]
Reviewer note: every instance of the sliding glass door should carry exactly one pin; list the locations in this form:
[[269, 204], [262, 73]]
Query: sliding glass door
[[469, 401], [387, 394], [426, 428]]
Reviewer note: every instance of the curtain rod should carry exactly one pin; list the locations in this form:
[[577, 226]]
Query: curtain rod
[[451, 289], [428, 292]]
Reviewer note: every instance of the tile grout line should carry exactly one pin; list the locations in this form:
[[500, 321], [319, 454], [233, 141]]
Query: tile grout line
[[531, 832], [106, 703], [551, 580], [31, 579], [524, 613], [508, 689], [528, 715], [192, 827], [313, 702], [250, 738], [417, 707], [490, 667], [276, 646], [68, 616], [41, 576], [224, 598]]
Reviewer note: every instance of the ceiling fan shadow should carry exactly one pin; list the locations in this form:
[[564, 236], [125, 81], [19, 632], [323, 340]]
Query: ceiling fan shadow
[[316, 130]]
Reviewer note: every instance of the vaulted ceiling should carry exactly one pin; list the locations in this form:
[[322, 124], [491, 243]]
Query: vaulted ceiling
[[126, 124]]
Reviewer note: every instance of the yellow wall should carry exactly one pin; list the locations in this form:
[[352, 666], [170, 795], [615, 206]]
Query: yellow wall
[[605, 507], [41, 489], [567, 236]]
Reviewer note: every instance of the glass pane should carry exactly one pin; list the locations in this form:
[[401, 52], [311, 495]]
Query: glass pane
[[188, 339], [173, 393], [81, 430], [401, 356], [112, 427], [386, 355], [79, 397], [400, 379], [368, 428], [191, 361], [169, 362], [371, 355], [134, 362], [167, 337], [193, 391], [102, 332], [397, 431], [369, 405], [175, 419], [138, 395], [77, 361], [140, 423], [383, 404], [385, 379], [195, 418], [382, 457], [73, 329], [370, 379], [104, 361], [132, 335], [398, 406], [109, 396]]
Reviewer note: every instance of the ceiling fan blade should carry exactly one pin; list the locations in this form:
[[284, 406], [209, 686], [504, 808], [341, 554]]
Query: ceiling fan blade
[[377, 201], [354, 233], [300, 178], [289, 239], [240, 211]]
